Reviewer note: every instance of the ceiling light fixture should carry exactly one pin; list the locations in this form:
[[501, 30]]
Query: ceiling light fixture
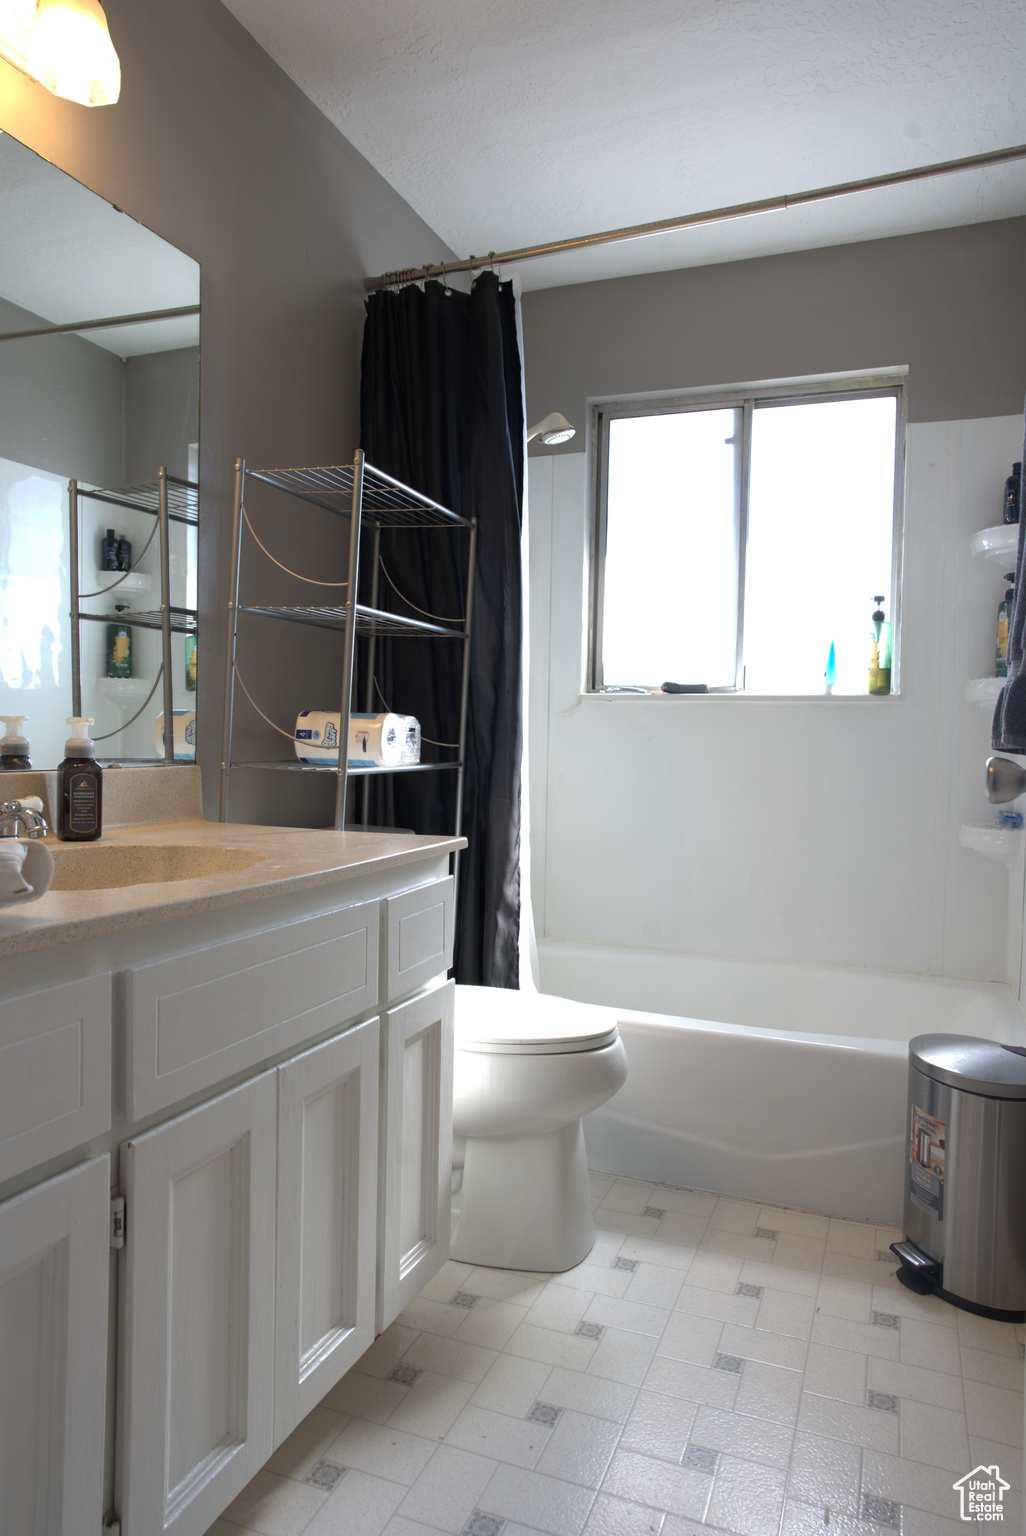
[[65, 45], [554, 429]]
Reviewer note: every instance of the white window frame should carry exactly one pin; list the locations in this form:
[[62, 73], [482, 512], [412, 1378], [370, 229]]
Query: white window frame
[[746, 397]]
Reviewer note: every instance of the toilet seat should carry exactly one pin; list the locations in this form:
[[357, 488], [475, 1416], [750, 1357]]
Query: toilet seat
[[507, 1023]]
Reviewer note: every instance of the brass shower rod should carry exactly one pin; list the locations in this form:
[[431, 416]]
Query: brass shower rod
[[693, 220]]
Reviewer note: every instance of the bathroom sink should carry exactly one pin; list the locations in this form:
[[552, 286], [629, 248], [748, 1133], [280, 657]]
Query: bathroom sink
[[105, 866]]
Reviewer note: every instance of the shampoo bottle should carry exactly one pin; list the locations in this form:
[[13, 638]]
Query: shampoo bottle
[[109, 551], [190, 663], [119, 646], [14, 749], [79, 787], [880, 652], [1013, 494], [1004, 621]]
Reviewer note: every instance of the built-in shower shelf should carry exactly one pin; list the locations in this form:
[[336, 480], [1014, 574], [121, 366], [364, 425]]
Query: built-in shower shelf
[[998, 543], [984, 690], [1002, 844], [124, 691]]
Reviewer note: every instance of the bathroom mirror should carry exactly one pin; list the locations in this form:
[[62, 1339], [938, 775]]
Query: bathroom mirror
[[106, 406]]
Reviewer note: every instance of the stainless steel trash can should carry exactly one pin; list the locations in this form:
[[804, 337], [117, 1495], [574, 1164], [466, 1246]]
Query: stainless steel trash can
[[965, 1182]]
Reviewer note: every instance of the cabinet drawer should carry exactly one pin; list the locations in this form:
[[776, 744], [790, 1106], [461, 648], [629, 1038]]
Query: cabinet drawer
[[419, 935], [54, 1072], [194, 1020]]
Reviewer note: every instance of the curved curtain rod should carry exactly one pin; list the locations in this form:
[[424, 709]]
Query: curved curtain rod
[[690, 220]]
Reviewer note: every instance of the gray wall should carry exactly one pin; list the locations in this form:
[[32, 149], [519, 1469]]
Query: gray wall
[[63, 402], [161, 412], [215, 149], [949, 303]]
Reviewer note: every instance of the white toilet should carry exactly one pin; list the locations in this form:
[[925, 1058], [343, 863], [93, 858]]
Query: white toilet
[[527, 1068]]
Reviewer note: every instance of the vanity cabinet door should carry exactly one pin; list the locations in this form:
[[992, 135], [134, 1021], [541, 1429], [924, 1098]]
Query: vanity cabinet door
[[196, 1358], [327, 1218], [55, 1247], [416, 1097]]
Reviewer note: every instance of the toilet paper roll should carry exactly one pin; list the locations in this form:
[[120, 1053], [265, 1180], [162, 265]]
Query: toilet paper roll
[[184, 726], [374, 740]]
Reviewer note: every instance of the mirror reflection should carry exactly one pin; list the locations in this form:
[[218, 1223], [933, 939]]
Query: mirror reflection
[[105, 406]]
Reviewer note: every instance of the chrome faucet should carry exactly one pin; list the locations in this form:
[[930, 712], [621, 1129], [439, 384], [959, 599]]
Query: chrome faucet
[[23, 813]]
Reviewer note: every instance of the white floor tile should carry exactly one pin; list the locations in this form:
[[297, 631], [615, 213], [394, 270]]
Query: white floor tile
[[510, 1386], [694, 1383], [652, 1430], [912, 1381], [654, 1285], [450, 1357], [747, 1497], [839, 1373], [769, 1392], [760, 1344], [935, 1435], [580, 1449], [600, 1184], [869, 1427], [544, 1503], [659, 1426], [448, 1490], [590, 1394], [825, 1472], [623, 1357], [361, 1503], [307, 1443], [560, 1307], [930, 1345], [381, 1451], [784, 1312], [691, 1337], [431, 1405], [678, 1490], [617, 1517], [275, 1506], [517, 1441], [739, 1434], [552, 1348]]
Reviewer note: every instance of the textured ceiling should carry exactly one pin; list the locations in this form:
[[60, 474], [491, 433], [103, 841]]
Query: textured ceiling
[[520, 121]]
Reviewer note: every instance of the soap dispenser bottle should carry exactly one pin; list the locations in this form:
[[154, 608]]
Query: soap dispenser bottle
[[880, 652], [14, 748], [1004, 620], [79, 787]]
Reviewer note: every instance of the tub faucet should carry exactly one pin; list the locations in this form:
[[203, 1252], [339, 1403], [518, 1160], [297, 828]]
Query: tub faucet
[[26, 814]]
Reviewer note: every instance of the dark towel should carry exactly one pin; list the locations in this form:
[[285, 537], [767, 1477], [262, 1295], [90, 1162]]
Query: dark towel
[[1008, 733]]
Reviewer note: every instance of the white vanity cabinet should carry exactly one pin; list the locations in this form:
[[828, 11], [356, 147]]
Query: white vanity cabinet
[[53, 1354], [270, 1093]]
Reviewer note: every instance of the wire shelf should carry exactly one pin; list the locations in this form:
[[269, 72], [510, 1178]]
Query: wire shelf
[[183, 620], [386, 503], [182, 498], [369, 621], [283, 766]]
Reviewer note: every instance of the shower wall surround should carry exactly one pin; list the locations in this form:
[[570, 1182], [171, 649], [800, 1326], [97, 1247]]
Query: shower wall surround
[[812, 831]]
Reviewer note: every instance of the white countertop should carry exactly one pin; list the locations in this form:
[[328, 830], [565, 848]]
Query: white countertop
[[293, 859]]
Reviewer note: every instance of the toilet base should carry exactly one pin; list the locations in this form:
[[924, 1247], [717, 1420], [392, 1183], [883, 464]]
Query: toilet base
[[524, 1202]]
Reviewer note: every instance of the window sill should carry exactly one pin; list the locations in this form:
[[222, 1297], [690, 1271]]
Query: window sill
[[831, 700]]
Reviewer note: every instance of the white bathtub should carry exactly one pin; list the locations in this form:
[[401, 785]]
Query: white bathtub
[[773, 1082]]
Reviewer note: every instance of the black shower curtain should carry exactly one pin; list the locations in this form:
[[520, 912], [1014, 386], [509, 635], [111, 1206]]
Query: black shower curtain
[[441, 407]]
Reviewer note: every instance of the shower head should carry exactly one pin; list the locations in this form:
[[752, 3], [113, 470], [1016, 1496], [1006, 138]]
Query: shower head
[[1005, 780], [554, 429]]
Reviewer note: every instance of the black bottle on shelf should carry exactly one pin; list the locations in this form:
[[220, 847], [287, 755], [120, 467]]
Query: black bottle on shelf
[[124, 554], [1013, 494], [109, 551]]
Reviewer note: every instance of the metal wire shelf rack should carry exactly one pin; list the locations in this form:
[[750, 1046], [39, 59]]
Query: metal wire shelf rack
[[169, 499], [372, 501]]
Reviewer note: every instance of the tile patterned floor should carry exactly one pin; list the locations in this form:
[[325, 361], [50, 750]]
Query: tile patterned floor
[[715, 1366]]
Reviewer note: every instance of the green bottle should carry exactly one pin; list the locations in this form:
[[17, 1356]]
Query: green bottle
[[119, 646], [1003, 626], [880, 652], [190, 663]]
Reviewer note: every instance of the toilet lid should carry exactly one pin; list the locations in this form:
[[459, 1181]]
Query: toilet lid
[[495, 1019]]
